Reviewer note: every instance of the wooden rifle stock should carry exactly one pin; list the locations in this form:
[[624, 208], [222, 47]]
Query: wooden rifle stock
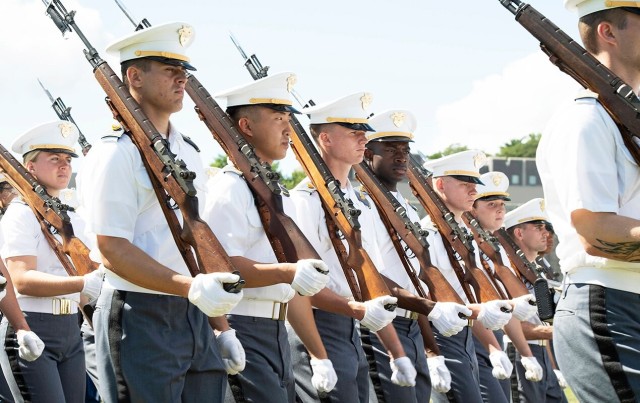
[[456, 240], [617, 97], [517, 257], [49, 211], [490, 246], [400, 225]]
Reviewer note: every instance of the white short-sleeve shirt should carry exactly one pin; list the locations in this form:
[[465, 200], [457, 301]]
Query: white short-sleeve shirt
[[232, 214], [123, 204], [23, 237], [584, 164]]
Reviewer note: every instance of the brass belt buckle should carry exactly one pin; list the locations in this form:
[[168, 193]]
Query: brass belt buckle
[[61, 306], [279, 311]]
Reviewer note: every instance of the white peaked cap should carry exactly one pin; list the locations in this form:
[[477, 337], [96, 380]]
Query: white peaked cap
[[166, 43], [57, 136], [494, 185], [393, 125], [464, 165], [533, 210], [351, 111], [586, 7], [274, 90]]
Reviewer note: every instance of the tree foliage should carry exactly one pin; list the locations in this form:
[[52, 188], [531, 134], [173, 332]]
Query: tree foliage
[[451, 149], [524, 147], [289, 181]]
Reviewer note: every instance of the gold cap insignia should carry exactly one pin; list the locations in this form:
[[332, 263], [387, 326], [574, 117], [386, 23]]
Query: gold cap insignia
[[65, 129], [397, 118], [541, 205], [496, 179], [479, 160], [291, 81], [366, 100], [184, 35]]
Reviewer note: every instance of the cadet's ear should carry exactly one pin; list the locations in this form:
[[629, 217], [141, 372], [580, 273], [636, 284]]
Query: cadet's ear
[[368, 154], [438, 183], [606, 32], [244, 124]]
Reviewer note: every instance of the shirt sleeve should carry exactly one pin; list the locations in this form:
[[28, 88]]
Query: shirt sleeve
[[21, 232]]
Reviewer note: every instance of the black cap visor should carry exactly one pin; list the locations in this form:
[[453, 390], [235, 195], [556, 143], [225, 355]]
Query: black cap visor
[[634, 10], [54, 151], [357, 126], [172, 62], [494, 197], [468, 179], [393, 138], [280, 107]]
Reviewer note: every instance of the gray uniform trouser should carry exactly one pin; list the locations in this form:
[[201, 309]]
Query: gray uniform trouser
[[155, 348], [58, 375], [380, 371], [268, 375], [491, 388], [460, 357], [89, 342], [596, 337], [342, 342], [548, 389]]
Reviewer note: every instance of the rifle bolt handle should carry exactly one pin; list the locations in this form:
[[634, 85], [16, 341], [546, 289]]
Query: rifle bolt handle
[[236, 287], [505, 310], [390, 307]]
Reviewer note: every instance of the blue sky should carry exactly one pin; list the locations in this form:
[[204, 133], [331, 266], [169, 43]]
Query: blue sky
[[467, 69]]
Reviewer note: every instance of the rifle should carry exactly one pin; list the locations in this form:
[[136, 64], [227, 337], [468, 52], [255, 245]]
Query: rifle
[[617, 97], [341, 210], [526, 269], [287, 240], [456, 240], [544, 268], [490, 246], [169, 176], [64, 113], [50, 212], [400, 225]]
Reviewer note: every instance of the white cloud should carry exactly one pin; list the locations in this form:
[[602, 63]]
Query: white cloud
[[500, 107]]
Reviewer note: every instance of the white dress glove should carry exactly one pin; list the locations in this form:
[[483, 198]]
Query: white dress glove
[[92, 285], [231, 351], [445, 317], [561, 381], [533, 370], [404, 374], [524, 307], [311, 276], [207, 294], [3, 285], [324, 376], [29, 345], [376, 316], [492, 316], [439, 374], [502, 367]]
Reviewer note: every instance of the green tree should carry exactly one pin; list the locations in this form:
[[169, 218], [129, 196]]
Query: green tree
[[220, 161], [451, 149], [524, 147], [291, 181]]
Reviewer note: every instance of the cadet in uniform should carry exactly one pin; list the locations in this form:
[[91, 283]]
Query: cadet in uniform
[[339, 128], [526, 226], [454, 179], [152, 343], [592, 188], [46, 294], [387, 154], [489, 209], [260, 110]]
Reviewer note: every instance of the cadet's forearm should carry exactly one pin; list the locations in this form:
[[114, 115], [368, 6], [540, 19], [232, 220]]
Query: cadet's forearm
[[329, 301], [131, 263], [608, 234], [219, 324], [486, 337], [389, 339], [408, 300], [9, 305], [29, 281], [430, 346], [256, 274], [300, 316], [513, 329], [537, 332]]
